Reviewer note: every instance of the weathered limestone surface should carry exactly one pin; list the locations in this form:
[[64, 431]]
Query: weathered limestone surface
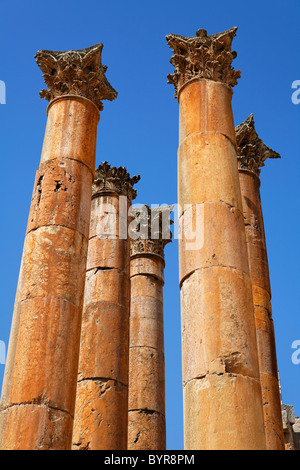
[[252, 153], [38, 396], [221, 386], [146, 419], [101, 415]]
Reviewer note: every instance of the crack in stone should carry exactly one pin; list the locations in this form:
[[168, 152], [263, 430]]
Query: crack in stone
[[101, 379], [56, 226], [190, 134], [219, 374], [36, 402], [212, 267], [146, 411]]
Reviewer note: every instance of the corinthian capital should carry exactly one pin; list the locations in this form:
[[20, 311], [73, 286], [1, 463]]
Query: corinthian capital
[[251, 150], [150, 230], [203, 56], [75, 73], [112, 179]]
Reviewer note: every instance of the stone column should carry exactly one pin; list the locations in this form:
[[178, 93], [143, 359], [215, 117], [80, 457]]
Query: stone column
[[221, 387], [146, 419], [38, 397], [101, 414], [252, 153]]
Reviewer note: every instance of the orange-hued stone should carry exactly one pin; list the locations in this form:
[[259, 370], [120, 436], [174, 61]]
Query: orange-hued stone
[[146, 284], [101, 412], [146, 418], [272, 412], [108, 253], [141, 427], [146, 324], [100, 405], [222, 392], [261, 298], [266, 342], [104, 356], [103, 325], [71, 130], [108, 216], [255, 232], [39, 427], [107, 285], [39, 386], [43, 342], [217, 238], [214, 98], [221, 412], [52, 264], [147, 379], [151, 266], [218, 327], [61, 196], [259, 271], [207, 145], [212, 156]]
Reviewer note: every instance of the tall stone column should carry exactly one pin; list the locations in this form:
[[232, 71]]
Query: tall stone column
[[252, 153], [146, 419], [221, 386], [101, 414], [38, 396]]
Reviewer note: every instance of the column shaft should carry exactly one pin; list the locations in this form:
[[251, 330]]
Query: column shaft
[[146, 422], [222, 394], [101, 415], [221, 387], [259, 271], [40, 378], [39, 388], [252, 152]]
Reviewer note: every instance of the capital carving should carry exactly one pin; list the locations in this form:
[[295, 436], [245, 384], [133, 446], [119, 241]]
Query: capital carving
[[203, 56], [75, 73], [251, 150], [151, 232], [112, 179]]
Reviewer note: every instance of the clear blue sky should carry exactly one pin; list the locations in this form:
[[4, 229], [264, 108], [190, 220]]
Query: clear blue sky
[[140, 130]]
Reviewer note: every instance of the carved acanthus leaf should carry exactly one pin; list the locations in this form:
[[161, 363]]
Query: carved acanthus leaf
[[75, 73], [203, 56], [112, 179], [151, 232], [251, 150]]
